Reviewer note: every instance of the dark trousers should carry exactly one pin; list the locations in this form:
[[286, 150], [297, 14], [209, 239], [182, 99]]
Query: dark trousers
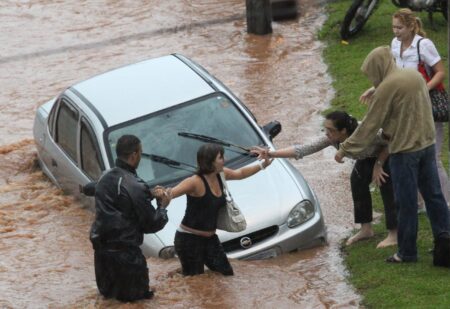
[[361, 178], [122, 274], [196, 251]]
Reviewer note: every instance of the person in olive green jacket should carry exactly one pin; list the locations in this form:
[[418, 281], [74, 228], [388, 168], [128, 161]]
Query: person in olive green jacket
[[401, 106]]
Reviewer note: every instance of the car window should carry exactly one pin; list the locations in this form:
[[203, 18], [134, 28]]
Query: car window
[[91, 162], [51, 118], [215, 116], [66, 129]]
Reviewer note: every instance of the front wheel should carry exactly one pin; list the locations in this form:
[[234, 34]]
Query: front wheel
[[356, 17]]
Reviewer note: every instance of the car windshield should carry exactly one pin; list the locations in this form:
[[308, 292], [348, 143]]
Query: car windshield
[[171, 148]]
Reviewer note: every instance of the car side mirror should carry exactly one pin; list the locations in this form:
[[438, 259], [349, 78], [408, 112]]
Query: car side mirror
[[272, 129]]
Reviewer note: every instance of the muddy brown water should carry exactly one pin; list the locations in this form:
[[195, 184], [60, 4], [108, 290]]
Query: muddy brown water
[[45, 46]]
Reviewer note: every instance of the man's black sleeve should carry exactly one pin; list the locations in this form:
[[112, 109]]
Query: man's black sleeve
[[151, 220], [88, 189]]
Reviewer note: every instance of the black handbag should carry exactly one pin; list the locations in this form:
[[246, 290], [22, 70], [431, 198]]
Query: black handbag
[[439, 104], [441, 251], [438, 95]]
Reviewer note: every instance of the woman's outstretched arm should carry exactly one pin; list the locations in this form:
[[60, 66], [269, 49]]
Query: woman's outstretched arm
[[246, 171]]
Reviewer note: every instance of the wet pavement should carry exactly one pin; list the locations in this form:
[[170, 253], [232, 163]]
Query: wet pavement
[[45, 46]]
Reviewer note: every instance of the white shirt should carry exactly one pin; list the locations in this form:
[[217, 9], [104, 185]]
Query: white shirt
[[409, 58]]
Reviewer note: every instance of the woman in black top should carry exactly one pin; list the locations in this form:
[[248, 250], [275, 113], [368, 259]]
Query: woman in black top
[[196, 242]]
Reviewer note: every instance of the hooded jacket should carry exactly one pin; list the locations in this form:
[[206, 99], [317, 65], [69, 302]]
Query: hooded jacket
[[123, 210], [400, 105]]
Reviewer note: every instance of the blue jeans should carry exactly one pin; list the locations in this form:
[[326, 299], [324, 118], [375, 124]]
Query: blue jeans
[[411, 171]]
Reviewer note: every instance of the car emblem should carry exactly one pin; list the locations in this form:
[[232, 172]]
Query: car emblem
[[246, 242]]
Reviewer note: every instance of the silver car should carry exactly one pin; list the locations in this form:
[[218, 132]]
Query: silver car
[[174, 105]]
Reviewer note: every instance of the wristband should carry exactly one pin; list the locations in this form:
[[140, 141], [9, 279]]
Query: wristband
[[261, 165], [168, 193], [379, 162]]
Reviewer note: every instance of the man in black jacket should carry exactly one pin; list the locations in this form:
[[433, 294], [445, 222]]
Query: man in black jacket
[[123, 214]]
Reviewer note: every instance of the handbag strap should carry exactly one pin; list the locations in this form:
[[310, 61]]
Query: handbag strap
[[427, 72], [418, 48], [422, 67], [225, 186]]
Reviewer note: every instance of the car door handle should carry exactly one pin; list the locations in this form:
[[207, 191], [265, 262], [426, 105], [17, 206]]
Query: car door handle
[[54, 163]]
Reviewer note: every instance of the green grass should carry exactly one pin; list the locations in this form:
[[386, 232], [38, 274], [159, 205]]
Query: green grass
[[382, 285]]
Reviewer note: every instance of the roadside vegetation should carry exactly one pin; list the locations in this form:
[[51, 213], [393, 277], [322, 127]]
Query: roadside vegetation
[[382, 285]]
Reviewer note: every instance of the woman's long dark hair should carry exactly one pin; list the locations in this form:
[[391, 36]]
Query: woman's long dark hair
[[206, 155], [341, 120]]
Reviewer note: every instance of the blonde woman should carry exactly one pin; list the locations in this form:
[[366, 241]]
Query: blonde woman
[[408, 31]]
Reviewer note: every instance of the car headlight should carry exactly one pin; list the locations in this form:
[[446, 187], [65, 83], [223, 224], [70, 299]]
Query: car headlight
[[301, 213]]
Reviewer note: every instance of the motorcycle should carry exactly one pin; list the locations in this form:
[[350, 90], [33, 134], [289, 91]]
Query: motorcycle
[[360, 11]]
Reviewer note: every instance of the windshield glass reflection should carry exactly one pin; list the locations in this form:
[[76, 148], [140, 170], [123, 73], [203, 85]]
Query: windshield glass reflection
[[213, 116]]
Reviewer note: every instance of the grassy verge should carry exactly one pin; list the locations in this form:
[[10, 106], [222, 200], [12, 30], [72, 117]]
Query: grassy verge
[[417, 285]]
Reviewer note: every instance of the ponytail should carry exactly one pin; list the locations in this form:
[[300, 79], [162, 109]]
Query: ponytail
[[410, 20], [341, 120], [418, 29]]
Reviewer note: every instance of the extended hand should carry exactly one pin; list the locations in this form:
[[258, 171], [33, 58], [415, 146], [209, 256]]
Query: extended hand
[[263, 153], [162, 196], [366, 96], [339, 157], [158, 191], [267, 162]]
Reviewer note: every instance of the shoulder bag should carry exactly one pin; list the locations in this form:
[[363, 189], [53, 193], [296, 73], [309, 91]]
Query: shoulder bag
[[230, 217], [438, 95]]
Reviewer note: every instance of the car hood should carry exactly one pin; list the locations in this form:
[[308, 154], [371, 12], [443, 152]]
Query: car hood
[[265, 199], [47, 106]]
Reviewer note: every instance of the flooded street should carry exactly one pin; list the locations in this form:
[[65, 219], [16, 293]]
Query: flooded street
[[45, 46]]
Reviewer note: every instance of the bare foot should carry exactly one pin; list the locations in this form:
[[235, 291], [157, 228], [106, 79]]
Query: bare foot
[[386, 243], [359, 236], [390, 240]]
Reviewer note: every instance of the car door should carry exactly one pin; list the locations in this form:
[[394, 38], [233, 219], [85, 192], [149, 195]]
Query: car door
[[91, 162], [62, 149], [75, 157]]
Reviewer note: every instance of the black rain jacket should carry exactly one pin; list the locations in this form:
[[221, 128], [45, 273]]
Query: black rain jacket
[[123, 210]]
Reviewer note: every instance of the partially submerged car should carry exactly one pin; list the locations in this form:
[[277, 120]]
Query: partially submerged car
[[174, 105]]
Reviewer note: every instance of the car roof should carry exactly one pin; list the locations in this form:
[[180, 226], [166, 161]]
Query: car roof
[[142, 88]]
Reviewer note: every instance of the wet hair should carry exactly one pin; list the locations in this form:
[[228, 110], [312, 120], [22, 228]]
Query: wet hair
[[206, 155], [126, 145], [408, 19], [341, 120]]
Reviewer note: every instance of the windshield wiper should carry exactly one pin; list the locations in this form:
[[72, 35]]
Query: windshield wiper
[[214, 140], [168, 162]]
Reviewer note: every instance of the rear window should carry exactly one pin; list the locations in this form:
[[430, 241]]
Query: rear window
[[66, 129]]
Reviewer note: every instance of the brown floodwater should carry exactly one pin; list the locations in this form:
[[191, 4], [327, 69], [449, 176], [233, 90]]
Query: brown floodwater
[[47, 45]]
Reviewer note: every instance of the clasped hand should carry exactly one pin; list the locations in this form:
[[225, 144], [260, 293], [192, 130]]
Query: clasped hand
[[162, 195], [263, 154]]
